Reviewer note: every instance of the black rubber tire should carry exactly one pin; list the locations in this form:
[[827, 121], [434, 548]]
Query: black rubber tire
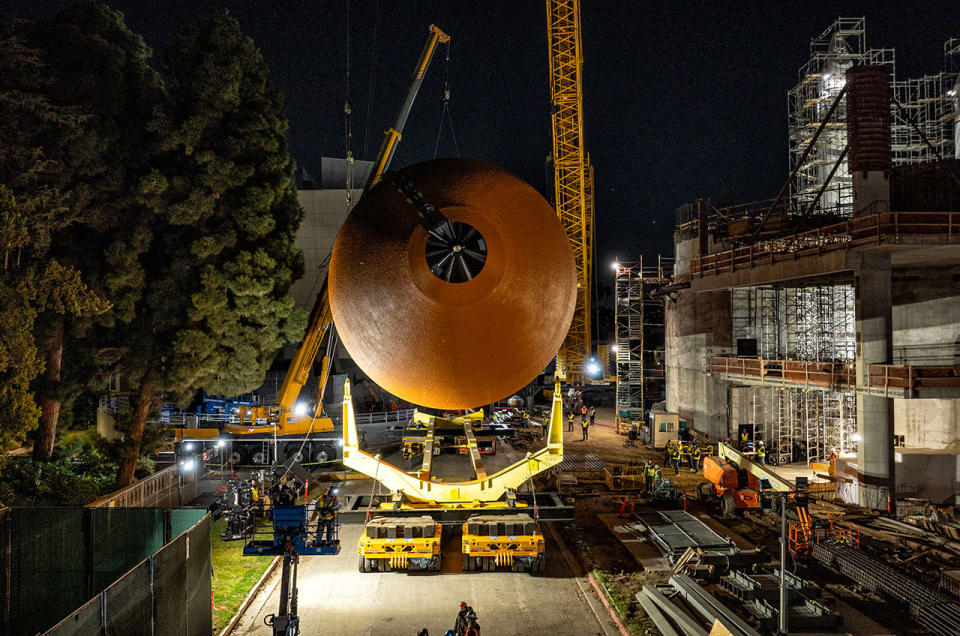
[[466, 563], [727, 505], [703, 491], [368, 565], [438, 563], [385, 566], [238, 455], [259, 457], [360, 565], [324, 453], [293, 449]]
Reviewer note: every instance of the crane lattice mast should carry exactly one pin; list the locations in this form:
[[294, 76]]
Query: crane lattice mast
[[573, 174]]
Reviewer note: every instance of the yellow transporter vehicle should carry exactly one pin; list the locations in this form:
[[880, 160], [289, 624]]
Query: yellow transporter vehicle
[[492, 541], [495, 533], [403, 543]]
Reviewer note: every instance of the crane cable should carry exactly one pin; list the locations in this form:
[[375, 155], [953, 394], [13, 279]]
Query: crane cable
[[445, 113], [347, 118]]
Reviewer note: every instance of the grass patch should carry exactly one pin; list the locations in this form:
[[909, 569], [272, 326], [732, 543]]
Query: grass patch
[[233, 575], [620, 596]]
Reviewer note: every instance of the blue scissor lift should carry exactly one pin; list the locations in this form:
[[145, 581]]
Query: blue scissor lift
[[287, 533]]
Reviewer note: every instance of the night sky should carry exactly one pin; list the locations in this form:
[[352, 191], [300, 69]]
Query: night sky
[[680, 100]]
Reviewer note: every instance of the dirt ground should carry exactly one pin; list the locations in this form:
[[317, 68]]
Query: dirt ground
[[599, 549]]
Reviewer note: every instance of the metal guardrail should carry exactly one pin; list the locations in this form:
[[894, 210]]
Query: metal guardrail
[[165, 488], [787, 373], [875, 229], [895, 380], [150, 492]]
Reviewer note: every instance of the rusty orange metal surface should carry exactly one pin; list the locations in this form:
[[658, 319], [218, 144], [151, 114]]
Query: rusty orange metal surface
[[443, 344]]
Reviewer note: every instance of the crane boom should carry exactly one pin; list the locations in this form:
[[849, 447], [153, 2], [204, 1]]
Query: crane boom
[[392, 136], [573, 174], [321, 320]]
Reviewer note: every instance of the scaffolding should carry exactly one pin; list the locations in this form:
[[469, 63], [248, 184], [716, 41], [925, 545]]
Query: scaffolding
[[923, 125], [640, 328], [923, 122], [804, 323]]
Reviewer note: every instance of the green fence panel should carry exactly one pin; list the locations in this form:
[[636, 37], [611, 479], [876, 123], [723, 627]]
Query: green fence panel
[[182, 519], [169, 600], [128, 604], [122, 537], [83, 622], [197, 589], [46, 567]]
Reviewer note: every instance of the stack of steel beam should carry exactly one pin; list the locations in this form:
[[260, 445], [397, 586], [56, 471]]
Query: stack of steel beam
[[930, 608]]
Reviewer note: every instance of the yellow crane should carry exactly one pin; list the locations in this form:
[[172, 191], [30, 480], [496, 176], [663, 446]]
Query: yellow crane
[[287, 429], [572, 173]]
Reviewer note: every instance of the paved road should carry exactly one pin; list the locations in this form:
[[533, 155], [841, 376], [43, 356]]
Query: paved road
[[337, 599]]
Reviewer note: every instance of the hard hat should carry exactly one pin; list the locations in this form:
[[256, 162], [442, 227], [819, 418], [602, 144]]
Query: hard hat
[[463, 605]]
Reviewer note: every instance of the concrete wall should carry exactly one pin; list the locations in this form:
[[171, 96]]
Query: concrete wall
[[926, 476], [323, 213], [926, 330], [926, 315], [697, 326]]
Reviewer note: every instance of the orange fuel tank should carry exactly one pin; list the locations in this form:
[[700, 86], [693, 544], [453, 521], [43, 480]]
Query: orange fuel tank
[[466, 315]]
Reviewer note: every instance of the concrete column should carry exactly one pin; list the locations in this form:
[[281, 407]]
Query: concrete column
[[875, 455]]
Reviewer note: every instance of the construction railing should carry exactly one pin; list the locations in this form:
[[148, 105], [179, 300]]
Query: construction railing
[[786, 373], [897, 379], [903, 379], [887, 227]]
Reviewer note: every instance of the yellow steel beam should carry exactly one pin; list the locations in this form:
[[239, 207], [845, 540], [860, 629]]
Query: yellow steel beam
[[573, 175], [427, 453], [760, 471], [475, 458], [467, 493]]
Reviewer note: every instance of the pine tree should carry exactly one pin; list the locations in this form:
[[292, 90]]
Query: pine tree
[[223, 257], [35, 135], [98, 68]]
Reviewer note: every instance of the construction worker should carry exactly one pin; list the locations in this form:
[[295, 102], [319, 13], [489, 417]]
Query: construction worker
[[585, 428], [658, 474], [649, 474], [744, 437], [329, 505], [583, 413], [675, 456], [761, 453], [593, 415], [466, 624], [570, 421], [667, 453], [695, 459]]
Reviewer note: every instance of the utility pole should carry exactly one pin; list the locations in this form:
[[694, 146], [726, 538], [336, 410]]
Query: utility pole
[[783, 565]]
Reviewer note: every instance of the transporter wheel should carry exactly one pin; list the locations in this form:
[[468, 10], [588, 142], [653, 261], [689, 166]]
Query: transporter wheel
[[727, 505], [466, 563], [259, 457], [361, 563], [438, 561], [368, 565], [385, 565], [490, 564], [537, 565]]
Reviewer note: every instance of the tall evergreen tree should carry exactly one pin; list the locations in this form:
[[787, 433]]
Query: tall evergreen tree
[[36, 134], [99, 68], [223, 257]]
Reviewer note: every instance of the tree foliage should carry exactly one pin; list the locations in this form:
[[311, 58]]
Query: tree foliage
[[147, 218]]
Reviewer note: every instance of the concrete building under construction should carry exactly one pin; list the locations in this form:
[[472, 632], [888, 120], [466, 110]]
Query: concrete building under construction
[[827, 320]]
